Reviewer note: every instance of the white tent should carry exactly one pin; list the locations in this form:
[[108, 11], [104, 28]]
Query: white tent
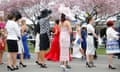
[[28, 21]]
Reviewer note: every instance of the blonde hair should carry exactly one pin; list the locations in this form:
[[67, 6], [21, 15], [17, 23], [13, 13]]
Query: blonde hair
[[23, 22]]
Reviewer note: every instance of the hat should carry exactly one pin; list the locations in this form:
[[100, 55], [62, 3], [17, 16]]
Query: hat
[[45, 13], [110, 23], [84, 26]]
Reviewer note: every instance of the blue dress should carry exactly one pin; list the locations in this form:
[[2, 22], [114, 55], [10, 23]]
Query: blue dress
[[25, 45], [84, 35]]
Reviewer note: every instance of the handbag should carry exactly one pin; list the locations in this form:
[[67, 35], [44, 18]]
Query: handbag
[[78, 41]]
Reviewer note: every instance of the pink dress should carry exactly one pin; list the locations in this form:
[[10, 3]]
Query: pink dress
[[64, 44]]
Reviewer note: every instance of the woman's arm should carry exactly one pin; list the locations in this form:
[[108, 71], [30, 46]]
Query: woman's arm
[[17, 30], [69, 27], [79, 33], [114, 34]]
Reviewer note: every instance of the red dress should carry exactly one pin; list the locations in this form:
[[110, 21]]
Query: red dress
[[54, 52]]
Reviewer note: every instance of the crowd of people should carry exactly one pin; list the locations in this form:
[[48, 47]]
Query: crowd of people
[[14, 34]]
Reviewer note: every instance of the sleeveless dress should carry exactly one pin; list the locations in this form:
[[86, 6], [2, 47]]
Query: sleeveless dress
[[2, 39], [25, 45], [64, 44], [54, 52], [2, 43], [76, 48]]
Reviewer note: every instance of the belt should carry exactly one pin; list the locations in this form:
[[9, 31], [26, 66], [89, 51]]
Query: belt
[[90, 34]]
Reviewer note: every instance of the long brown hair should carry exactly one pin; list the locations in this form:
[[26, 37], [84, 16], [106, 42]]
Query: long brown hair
[[63, 17], [88, 19]]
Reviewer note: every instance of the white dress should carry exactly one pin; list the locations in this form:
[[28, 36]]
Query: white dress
[[20, 44], [90, 41], [37, 42], [112, 45], [76, 48]]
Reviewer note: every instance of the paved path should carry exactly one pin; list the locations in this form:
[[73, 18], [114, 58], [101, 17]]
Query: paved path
[[77, 66]]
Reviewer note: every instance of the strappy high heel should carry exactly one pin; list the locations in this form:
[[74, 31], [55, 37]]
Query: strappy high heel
[[10, 68], [21, 64], [111, 67]]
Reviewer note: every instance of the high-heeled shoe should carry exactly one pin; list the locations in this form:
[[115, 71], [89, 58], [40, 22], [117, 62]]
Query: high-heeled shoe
[[16, 68], [43, 65], [37, 62], [21, 64], [111, 67], [92, 64], [88, 65], [10, 68]]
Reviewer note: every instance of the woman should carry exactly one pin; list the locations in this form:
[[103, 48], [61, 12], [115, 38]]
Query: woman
[[2, 39], [90, 42], [77, 50], [65, 31], [2, 44], [53, 54], [37, 41], [44, 36], [24, 29], [20, 49], [84, 36], [112, 45], [13, 35]]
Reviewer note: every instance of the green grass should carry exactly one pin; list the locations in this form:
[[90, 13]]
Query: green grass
[[101, 51]]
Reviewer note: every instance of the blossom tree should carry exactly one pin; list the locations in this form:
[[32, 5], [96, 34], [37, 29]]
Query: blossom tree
[[32, 8]]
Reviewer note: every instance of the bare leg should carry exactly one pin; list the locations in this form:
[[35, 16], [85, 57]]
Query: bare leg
[[1, 56], [65, 63], [92, 58], [88, 59], [14, 56], [21, 58], [82, 52], [38, 57], [41, 56], [110, 59], [9, 58]]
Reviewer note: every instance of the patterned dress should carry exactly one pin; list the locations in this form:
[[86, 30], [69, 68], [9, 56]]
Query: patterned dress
[[64, 44], [112, 45]]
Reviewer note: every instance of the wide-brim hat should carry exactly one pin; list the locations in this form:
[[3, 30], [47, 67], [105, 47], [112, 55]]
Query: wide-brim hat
[[45, 13]]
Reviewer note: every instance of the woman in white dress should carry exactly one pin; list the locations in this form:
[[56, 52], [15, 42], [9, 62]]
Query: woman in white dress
[[112, 45], [90, 42], [20, 48], [37, 41], [77, 50]]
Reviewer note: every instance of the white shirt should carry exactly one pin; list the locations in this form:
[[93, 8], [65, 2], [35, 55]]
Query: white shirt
[[112, 34], [13, 30]]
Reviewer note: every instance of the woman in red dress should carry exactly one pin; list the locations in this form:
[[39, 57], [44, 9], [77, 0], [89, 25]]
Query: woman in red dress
[[2, 44], [53, 54], [2, 39]]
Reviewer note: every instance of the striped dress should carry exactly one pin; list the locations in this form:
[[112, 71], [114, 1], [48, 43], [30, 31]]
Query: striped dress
[[112, 45]]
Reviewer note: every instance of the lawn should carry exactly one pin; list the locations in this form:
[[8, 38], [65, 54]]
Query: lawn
[[100, 51]]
